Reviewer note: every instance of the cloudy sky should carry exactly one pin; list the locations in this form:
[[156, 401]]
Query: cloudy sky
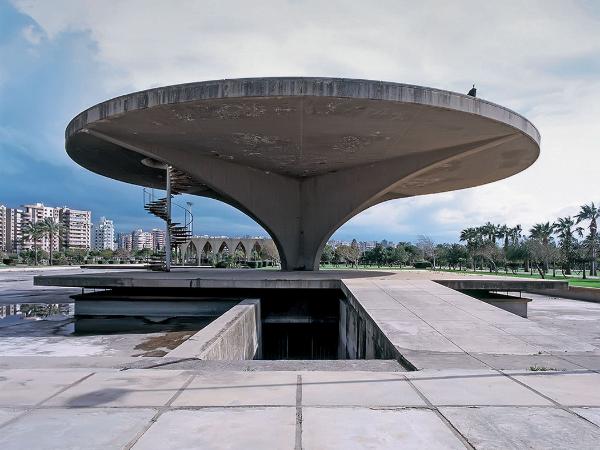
[[540, 58]]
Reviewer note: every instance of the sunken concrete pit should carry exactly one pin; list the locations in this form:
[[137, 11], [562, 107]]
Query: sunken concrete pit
[[406, 316]]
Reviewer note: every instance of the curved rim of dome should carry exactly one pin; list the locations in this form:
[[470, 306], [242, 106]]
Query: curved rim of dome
[[265, 87]]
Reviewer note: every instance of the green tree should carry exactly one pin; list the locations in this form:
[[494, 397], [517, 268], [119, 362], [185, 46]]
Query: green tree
[[472, 237], [566, 231], [539, 245], [327, 255], [34, 232], [54, 231], [592, 213]]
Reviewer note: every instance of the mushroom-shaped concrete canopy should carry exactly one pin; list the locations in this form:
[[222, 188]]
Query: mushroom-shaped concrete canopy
[[303, 155]]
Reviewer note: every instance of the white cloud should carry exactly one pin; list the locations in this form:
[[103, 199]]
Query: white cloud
[[536, 57]]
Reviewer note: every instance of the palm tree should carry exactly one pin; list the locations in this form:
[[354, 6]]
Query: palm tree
[[515, 234], [490, 231], [34, 232], [52, 229], [567, 239], [472, 237], [504, 232], [542, 232], [592, 213]]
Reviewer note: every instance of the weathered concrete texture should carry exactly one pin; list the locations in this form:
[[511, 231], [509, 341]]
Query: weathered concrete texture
[[7, 414], [473, 387], [22, 387], [591, 414], [257, 428], [240, 389], [409, 315], [100, 429], [518, 428], [295, 410], [354, 428], [424, 317], [358, 389], [568, 388], [587, 294], [359, 336], [233, 336], [150, 308], [303, 155], [338, 365], [123, 389]]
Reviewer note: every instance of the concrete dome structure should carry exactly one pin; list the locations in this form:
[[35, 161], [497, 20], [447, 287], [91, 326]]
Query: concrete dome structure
[[301, 156]]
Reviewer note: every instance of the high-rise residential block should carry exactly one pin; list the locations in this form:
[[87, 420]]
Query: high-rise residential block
[[38, 212], [141, 239], [158, 239], [14, 237], [3, 228], [77, 226], [103, 235]]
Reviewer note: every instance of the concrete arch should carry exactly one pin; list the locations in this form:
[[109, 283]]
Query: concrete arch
[[190, 252], [203, 247]]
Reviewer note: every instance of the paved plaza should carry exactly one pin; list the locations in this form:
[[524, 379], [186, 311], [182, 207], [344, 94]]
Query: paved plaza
[[158, 409], [487, 379]]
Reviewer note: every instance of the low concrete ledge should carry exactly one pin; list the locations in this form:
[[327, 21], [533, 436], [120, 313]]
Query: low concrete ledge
[[503, 284], [574, 293], [233, 336]]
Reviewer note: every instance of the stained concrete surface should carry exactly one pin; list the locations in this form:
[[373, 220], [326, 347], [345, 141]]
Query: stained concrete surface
[[459, 401], [367, 428], [152, 415], [473, 387], [97, 428], [500, 428], [358, 389], [231, 428], [240, 389]]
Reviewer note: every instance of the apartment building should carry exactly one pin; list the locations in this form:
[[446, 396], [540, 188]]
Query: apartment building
[[103, 235], [14, 237], [77, 228], [3, 229], [158, 239], [38, 212], [141, 239]]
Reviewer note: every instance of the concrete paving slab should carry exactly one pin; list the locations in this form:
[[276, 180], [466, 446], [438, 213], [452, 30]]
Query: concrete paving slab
[[518, 428], [426, 339], [447, 360], [230, 428], [526, 362], [22, 387], [363, 428], [7, 414], [577, 388], [591, 362], [472, 387], [591, 414], [123, 389], [357, 389], [239, 389], [97, 428]]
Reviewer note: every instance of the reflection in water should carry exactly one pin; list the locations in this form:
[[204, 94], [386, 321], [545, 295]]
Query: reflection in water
[[16, 312], [59, 320]]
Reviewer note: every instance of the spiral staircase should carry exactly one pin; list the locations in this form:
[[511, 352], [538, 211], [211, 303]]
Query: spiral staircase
[[162, 207]]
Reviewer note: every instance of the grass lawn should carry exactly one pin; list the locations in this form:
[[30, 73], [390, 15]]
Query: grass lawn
[[573, 280]]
